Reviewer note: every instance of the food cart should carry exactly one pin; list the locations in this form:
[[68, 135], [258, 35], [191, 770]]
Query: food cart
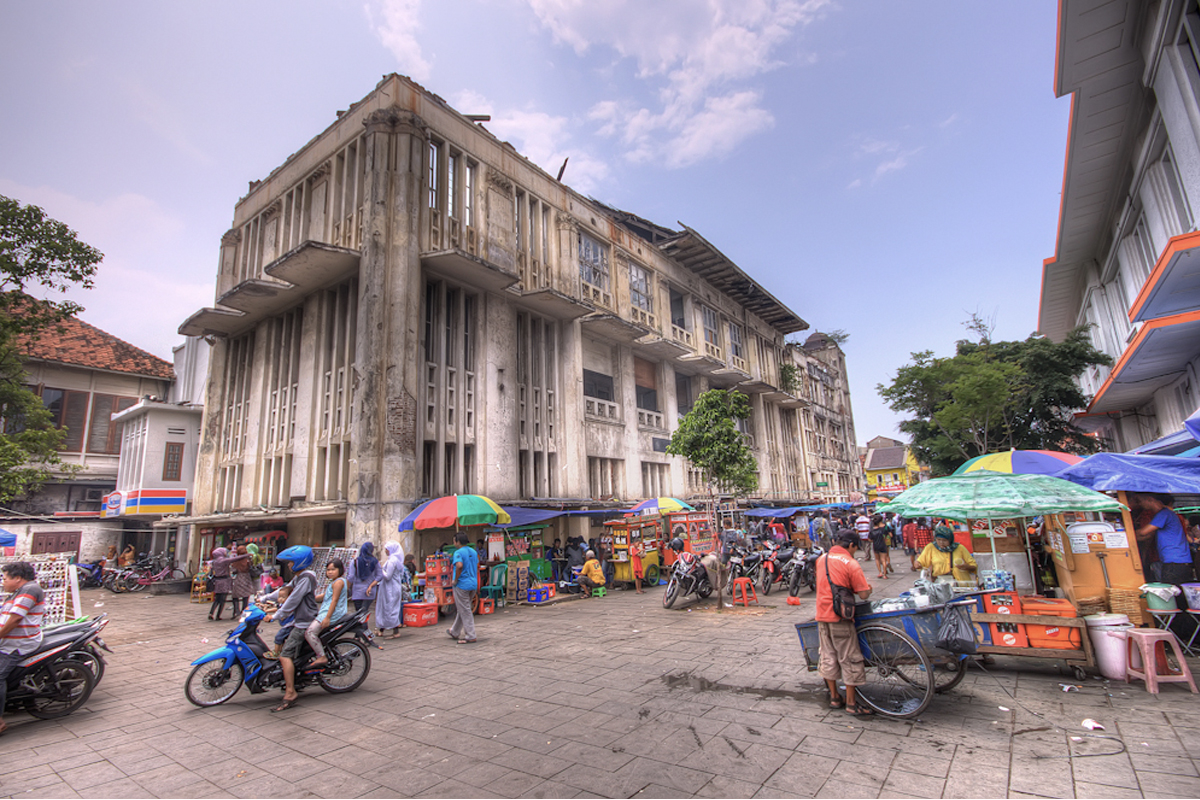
[[643, 530], [694, 528], [985, 495]]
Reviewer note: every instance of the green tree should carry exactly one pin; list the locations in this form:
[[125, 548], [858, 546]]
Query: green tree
[[36, 252], [994, 396], [708, 437]]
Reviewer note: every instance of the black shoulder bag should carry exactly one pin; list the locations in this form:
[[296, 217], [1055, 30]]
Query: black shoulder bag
[[843, 596]]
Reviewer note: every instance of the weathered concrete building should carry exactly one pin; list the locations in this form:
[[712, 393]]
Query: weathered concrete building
[[408, 308], [1127, 224]]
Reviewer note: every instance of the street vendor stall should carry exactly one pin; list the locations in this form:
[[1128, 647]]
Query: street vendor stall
[[644, 531], [1002, 625], [694, 528]]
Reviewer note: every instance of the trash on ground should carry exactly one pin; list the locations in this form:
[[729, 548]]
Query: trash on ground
[[1092, 725], [1067, 687], [1003, 708]]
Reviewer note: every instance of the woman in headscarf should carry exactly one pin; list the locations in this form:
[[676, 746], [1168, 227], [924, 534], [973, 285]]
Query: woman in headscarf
[[390, 606], [222, 582], [363, 572]]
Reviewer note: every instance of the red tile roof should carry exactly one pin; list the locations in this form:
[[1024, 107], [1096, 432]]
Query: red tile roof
[[82, 345]]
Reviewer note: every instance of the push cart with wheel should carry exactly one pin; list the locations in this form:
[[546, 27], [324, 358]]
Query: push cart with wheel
[[904, 666]]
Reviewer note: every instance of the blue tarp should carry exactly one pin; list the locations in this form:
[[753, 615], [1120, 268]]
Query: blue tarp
[[1109, 472], [533, 516], [1173, 444], [789, 511], [7, 539]]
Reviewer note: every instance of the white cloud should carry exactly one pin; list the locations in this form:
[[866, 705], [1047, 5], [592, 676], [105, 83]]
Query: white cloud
[[543, 138], [396, 24], [897, 163], [694, 58], [145, 287]]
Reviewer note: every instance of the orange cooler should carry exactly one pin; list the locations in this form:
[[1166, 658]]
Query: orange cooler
[[1005, 634], [1051, 637]]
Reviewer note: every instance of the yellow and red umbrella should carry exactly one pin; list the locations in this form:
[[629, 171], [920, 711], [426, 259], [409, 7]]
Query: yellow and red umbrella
[[455, 511], [1021, 462]]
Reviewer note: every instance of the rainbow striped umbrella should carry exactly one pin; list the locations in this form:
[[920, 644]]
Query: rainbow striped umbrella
[[661, 505], [455, 511], [1021, 462]]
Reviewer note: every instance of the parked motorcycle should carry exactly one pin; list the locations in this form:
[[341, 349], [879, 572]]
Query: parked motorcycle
[[806, 572], [688, 576], [743, 563], [217, 676], [91, 576], [57, 678], [775, 559], [86, 643]]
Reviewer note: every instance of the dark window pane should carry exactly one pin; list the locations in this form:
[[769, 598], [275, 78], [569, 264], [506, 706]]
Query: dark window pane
[[598, 386]]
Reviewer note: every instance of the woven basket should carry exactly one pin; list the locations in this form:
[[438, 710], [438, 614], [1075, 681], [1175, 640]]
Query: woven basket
[[1091, 605], [1128, 602]]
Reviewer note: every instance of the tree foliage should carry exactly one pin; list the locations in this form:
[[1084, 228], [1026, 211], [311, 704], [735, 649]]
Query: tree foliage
[[36, 252], [708, 437], [994, 396]]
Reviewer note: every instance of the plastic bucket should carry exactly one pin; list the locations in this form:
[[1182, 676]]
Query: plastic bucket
[[1107, 632], [1192, 592], [1156, 603]]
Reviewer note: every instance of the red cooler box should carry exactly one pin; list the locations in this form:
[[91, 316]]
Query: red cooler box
[[1051, 637], [418, 615], [1005, 634]]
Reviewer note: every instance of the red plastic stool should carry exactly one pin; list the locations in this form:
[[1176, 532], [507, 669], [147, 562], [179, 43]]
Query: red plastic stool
[[743, 584], [1148, 645]]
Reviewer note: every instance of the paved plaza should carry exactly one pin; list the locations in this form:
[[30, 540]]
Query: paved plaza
[[606, 697]]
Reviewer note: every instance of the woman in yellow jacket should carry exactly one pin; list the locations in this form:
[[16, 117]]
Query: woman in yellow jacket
[[944, 556]]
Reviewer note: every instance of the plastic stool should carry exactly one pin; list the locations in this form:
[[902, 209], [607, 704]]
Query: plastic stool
[[1145, 643], [743, 584], [599, 591]]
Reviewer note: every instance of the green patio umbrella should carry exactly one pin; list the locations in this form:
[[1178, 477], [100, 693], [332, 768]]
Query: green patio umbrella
[[983, 494]]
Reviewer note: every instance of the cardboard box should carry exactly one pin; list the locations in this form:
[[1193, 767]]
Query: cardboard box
[[418, 615]]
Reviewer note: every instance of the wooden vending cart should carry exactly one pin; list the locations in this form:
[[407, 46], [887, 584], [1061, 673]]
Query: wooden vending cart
[[644, 530], [694, 527]]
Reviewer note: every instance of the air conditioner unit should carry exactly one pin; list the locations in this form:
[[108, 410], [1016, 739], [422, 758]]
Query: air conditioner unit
[[93, 495]]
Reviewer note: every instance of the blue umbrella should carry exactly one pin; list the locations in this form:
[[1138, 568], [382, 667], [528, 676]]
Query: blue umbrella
[[7, 539]]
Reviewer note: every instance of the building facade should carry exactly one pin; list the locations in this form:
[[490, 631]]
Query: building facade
[[1127, 241], [86, 378], [890, 468], [408, 308]]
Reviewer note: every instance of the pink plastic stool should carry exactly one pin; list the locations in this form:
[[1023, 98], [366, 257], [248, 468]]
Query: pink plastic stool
[[1145, 642], [743, 584]]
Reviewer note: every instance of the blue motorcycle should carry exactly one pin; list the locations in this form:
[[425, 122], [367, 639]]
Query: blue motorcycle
[[217, 676]]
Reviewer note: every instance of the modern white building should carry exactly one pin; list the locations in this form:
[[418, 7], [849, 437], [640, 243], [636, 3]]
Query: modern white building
[[408, 308], [1127, 256]]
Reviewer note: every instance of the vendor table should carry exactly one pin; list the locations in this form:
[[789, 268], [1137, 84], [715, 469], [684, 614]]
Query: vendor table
[[1076, 659]]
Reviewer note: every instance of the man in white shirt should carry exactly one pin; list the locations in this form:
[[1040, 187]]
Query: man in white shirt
[[862, 526]]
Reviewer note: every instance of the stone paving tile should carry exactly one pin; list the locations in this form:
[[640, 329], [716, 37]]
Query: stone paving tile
[[123, 787], [912, 783], [1155, 784], [1083, 789], [82, 777], [840, 789]]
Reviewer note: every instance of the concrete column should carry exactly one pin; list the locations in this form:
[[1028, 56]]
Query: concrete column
[[384, 441], [209, 450]]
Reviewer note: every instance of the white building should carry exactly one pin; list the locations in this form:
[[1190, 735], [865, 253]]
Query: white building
[[408, 308], [1125, 260]]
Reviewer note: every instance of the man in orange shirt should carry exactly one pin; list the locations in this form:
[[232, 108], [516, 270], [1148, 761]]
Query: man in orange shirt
[[841, 658]]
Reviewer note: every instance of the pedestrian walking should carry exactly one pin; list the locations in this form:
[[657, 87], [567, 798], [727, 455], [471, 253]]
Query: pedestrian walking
[[363, 571], [218, 570], [389, 607], [862, 525], [243, 583], [465, 565], [880, 534], [840, 657]]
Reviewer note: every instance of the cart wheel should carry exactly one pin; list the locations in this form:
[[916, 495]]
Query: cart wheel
[[651, 575], [949, 673], [899, 675], [1080, 673]]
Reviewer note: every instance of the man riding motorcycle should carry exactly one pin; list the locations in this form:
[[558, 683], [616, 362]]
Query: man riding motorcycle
[[20, 621], [302, 602]]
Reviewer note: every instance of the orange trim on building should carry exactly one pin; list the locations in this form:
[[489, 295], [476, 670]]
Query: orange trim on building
[[1175, 246], [1135, 345]]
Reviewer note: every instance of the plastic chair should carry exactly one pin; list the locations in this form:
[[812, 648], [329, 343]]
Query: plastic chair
[[495, 584], [1145, 643], [743, 584]]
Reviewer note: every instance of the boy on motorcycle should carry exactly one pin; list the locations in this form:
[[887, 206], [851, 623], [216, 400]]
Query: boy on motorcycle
[[20, 622], [301, 602]]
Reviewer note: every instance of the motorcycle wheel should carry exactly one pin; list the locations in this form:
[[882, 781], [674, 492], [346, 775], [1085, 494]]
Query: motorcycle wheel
[[69, 689], [766, 581], [704, 591], [671, 593], [353, 663], [210, 684], [794, 584], [92, 660]]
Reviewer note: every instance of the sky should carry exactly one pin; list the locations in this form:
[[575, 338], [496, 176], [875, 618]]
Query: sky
[[887, 169]]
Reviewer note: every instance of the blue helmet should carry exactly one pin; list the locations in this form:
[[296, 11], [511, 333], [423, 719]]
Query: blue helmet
[[299, 556]]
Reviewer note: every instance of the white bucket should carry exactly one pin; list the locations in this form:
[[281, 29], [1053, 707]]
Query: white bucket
[[1107, 632]]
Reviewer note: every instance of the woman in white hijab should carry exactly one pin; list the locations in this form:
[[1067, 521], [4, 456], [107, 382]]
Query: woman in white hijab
[[389, 608]]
